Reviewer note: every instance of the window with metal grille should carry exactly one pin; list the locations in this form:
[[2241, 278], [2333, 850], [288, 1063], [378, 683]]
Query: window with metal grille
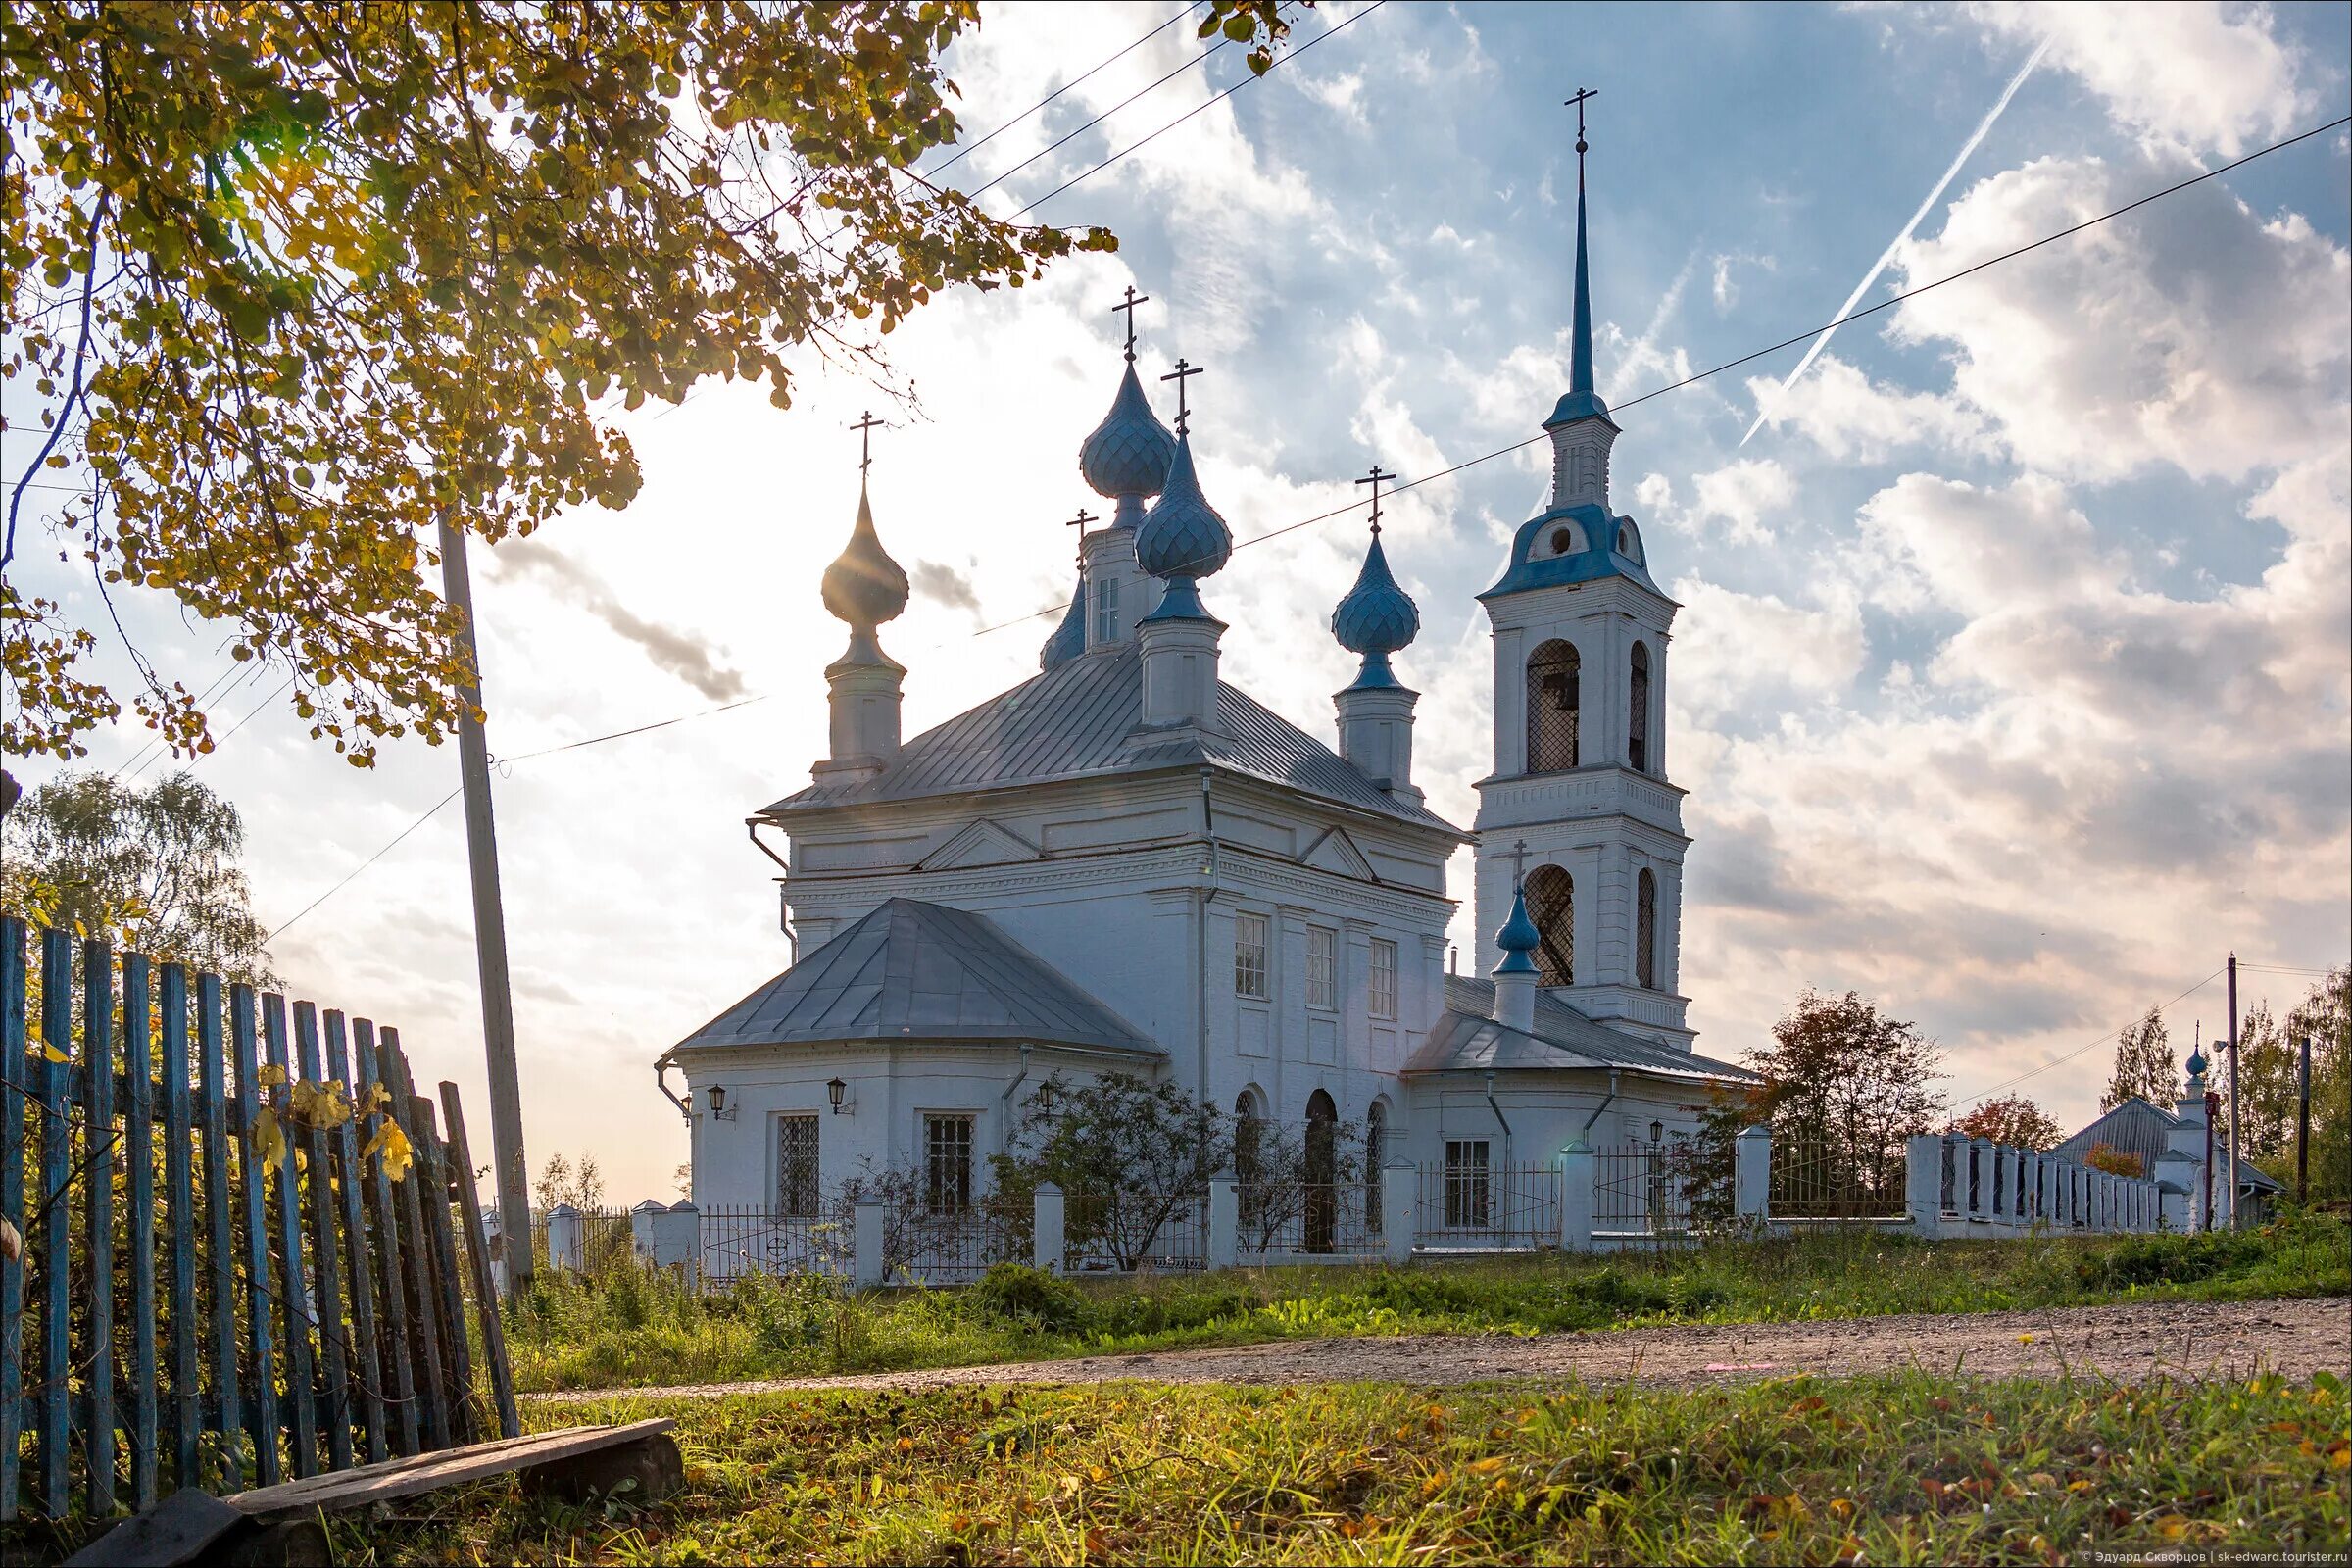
[[1552, 904], [1322, 968], [1551, 707], [1381, 989], [1646, 930], [796, 1166], [1468, 1197], [1636, 737], [1376, 1154], [1249, 955], [1106, 598], [947, 1164]]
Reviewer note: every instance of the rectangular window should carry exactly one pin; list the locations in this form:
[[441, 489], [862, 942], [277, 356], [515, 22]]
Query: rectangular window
[[1468, 1197], [947, 1164], [796, 1166], [1322, 968], [1106, 597], [1383, 987], [1249, 955]]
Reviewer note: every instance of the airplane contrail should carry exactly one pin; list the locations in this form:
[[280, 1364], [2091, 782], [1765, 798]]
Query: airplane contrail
[[1813, 350]]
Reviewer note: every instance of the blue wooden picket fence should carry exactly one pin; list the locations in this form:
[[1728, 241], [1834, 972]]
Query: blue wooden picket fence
[[188, 1311]]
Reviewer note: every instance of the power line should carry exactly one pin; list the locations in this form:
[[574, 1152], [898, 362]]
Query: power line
[[364, 865], [2094, 1044], [1074, 81]]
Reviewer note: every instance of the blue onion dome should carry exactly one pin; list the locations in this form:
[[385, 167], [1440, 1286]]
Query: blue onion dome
[[1517, 938], [1376, 618], [2196, 1063], [1070, 638], [1182, 537], [1129, 452], [864, 586]]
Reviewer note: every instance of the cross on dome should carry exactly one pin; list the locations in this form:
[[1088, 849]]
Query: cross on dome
[[1180, 376], [1128, 304]]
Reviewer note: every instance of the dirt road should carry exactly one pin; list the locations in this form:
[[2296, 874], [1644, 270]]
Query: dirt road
[[2127, 1343]]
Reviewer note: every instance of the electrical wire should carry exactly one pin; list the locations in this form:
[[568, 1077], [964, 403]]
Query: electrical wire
[[1074, 81], [2094, 1045]]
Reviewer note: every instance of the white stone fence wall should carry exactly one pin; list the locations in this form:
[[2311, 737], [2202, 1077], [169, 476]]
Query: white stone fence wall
[[1957, 1187]]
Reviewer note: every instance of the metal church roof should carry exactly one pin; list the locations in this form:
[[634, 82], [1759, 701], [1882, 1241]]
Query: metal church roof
[[1467, 1039], [1074, 722], [922, 972], [2142, 1127]]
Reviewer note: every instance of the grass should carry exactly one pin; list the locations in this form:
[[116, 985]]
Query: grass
[[632, 1328], [1893, 1469]]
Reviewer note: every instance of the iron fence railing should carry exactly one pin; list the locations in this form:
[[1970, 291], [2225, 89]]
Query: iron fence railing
[[1476, 1207], [1640, 1190], [1315, 1220], [737, 1242], [1130, 1233], [1817, 1177], [925, 1247]]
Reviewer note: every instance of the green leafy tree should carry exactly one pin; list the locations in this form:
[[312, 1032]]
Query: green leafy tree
[[2014, 1120], [2114, 1161], [2326, 1017], [153, 868], [1128, 1155], [289, 284], [1847, 1085], [2143, 1065]]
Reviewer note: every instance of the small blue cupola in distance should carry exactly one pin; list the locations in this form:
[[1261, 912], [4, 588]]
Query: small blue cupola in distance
[[1377, 618], [1515, 976], [1126, 458], [865, 588], [1070, 638], [1182, 540]]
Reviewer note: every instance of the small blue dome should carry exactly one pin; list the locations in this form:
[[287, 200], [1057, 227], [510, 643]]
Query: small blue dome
[[2196, 1064], [1517, 938], [1182, 536], [1130, 451], [1070, 638], [864, 586], [1376, 618]]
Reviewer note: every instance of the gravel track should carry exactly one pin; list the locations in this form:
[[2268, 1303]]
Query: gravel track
[[2130, 1344]]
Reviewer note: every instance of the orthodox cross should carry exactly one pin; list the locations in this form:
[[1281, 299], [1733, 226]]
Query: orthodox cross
[[1518, 865], [1577, 103], [1374, 479], [1078, 522], [1179, 376], [1128, 304], [865, 428]]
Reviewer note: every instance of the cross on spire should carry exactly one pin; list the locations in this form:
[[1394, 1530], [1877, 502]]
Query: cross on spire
[[1518, 865], [1577, 103], [1078, 522], [1128, 304], [865, 428], [1180, 376], [1580, 348], [1374, 479]]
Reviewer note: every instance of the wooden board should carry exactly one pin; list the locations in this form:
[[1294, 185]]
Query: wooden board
[[426, 1472]]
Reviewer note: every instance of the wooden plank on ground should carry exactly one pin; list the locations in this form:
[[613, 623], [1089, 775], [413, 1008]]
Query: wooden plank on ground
[[350, 1184], [416, 1474], [327, 1251], [138, 1132], [399, 1335], [98, 1208], [486, 1284], [14, 979]]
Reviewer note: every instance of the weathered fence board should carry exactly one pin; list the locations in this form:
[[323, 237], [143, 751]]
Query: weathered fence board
[[470, 1206], [186, 1285]]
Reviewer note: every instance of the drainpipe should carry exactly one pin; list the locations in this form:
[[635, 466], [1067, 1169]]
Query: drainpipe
[[1607, 1100], [1499, 1119], [783, 902], [1004, 1105], [661, 1082], [1215, 869]]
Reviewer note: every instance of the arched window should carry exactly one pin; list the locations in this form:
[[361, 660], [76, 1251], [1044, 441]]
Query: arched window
[[1552, 709], [1637, 724], [1646, 930], [1552, 904], [1376, 1154], [1320, 1222], [1248, 1122]]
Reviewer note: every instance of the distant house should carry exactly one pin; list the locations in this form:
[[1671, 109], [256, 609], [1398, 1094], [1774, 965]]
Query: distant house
[[2169, 1148]]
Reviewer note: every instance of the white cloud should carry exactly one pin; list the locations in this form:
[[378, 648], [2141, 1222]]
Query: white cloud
[[1741, 495], [2192, 332], [2201, 77], [1740, 653], [1847, 415]]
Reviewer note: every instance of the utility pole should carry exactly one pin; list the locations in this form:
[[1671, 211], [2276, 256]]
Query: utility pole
[[2233, 1110], [490, 934], [2303, 1122]]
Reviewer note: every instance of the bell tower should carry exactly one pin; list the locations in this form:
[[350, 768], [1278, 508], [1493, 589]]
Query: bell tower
[[1580, 634]]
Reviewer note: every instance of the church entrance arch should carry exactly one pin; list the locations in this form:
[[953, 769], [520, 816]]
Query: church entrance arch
[[1322, 1197]]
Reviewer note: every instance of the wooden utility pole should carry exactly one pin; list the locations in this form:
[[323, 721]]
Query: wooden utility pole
[[2233, 1110], [2303, 1121], [490, 937]]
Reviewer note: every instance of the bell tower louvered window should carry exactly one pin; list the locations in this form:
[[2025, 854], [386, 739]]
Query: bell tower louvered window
[[1552, 702], [1552, 904], [1646, 930], [1636, 739]]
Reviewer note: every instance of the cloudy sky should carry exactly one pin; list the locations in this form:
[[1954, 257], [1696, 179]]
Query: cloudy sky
[[2010, 685]]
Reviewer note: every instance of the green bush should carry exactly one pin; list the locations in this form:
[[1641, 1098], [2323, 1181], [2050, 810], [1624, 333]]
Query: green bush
[[2171, 1259], [1016, 1296]]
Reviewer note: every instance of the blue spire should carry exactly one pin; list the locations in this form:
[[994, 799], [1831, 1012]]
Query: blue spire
[[1581, 401], [1517, 938], [1126, 458], [1070, 638], [1376, 618]]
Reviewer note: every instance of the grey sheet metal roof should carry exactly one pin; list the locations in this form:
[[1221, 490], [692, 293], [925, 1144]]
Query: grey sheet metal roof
[[2140, 1127], [1467, 1039], [1072, 721], [922, 972]]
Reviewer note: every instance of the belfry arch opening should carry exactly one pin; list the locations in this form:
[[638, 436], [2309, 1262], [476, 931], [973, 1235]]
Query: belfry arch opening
[[1553, 702], [1552, 904], [1636, 723]]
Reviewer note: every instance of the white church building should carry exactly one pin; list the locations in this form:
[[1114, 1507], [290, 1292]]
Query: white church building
[[1126, 864]]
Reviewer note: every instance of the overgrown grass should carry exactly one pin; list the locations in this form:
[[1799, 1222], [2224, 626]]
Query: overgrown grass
[[629, 1327], [1893, 1469]]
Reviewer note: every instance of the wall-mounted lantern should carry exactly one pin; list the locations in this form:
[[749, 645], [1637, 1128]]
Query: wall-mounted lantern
[[834, 1092], [1657, 1132], [718, 1104]]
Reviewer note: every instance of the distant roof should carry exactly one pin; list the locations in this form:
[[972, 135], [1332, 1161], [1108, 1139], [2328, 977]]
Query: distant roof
[[922, 972], [2140, 1127], [1073, 722], [1467, 1039]]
